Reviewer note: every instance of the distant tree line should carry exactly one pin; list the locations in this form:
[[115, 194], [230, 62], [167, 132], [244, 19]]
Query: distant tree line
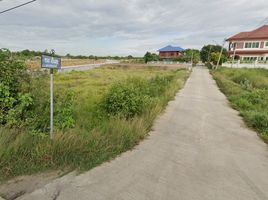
[[31, 54]]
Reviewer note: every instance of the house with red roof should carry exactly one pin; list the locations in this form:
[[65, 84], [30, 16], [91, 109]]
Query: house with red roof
[[170, 52], [251, 45]]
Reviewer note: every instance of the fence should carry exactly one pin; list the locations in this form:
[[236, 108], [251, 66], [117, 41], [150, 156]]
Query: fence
[[169, 63], [248, 64]]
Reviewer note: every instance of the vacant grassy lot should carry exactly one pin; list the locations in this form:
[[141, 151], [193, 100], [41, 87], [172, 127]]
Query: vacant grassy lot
[[36, 64], [114, 108], [247, 90]]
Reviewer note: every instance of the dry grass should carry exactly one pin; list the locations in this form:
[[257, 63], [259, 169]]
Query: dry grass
[[96, 137], [36, 64], [145, 66]]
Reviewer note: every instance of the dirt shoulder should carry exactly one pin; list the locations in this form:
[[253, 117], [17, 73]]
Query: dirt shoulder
[[19, 186]]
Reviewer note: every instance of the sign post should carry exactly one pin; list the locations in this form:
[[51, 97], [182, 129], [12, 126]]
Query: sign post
[[51, 63]]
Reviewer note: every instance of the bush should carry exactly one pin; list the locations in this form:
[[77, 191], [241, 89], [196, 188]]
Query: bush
[[15, 99], [134, 96], [24, 99], [127, 98], [39, 115], [209, 65]]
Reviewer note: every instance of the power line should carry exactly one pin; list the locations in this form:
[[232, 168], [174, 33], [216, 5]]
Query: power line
[[4, 11]]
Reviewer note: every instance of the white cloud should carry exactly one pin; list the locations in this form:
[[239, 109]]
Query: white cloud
[[124, 26]]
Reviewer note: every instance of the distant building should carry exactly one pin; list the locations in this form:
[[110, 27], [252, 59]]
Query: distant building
[[170, 52], [252, 45]]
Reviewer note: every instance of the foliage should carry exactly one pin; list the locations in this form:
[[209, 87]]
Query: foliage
[[209, 50], [14, 97], [148, 57], [247, 90], [30, 54], [126, 98], [39, 115], [24, 99], [134, 96], [192, 55], [96, 137], [214, 58]]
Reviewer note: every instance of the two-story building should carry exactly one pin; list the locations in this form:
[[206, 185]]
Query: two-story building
[[252, 45], [170, 52]]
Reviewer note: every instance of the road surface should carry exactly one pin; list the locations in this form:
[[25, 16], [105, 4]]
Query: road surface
[[199, 149]]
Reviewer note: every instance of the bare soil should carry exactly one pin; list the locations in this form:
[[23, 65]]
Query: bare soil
[[26, 184]]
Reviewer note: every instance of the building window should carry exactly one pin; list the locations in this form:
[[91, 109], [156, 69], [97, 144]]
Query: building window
[[255, 45], [252, 45], [266, 44], [233, 45], [248, 45]]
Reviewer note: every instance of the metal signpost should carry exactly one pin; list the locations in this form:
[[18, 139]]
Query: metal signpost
[[51, 63]]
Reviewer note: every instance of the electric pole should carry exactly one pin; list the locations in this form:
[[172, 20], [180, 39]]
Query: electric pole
[[218, 63]]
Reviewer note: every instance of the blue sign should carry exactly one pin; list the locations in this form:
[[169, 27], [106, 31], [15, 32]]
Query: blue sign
[[50, 62]]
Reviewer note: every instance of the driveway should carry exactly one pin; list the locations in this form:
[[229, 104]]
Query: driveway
[[199, 149]]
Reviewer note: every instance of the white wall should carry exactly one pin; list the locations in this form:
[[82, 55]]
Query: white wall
[[246, 65]]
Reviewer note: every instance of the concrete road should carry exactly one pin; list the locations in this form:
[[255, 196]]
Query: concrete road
[[199, 149]]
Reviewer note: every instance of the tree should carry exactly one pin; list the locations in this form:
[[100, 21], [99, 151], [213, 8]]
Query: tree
[[190, 54], [148, 57], [214, 57], [207, 50]]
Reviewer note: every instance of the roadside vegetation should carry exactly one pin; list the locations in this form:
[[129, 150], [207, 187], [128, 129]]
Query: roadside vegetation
[[247, 91], [210, 55], [98, 114]]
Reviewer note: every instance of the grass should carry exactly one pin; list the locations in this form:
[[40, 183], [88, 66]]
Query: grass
[[96, 137], [247, 91]]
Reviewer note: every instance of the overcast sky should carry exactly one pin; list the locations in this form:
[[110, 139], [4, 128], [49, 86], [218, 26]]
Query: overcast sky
[[124, 27]]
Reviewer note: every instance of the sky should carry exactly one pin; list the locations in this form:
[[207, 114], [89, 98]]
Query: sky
[[125, 27]]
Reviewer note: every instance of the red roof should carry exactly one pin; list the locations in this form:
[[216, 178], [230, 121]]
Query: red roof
[[259, 33]]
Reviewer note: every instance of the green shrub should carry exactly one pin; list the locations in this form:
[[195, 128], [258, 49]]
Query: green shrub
[[24, 99], [15, 99], [39, 117], [134, 96], [64, 111], [209, 65], [128, 98]]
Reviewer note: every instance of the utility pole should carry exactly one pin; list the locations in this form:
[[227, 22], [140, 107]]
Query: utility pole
[[192, 58], [209, 52], [218, 63], [233, 55]]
